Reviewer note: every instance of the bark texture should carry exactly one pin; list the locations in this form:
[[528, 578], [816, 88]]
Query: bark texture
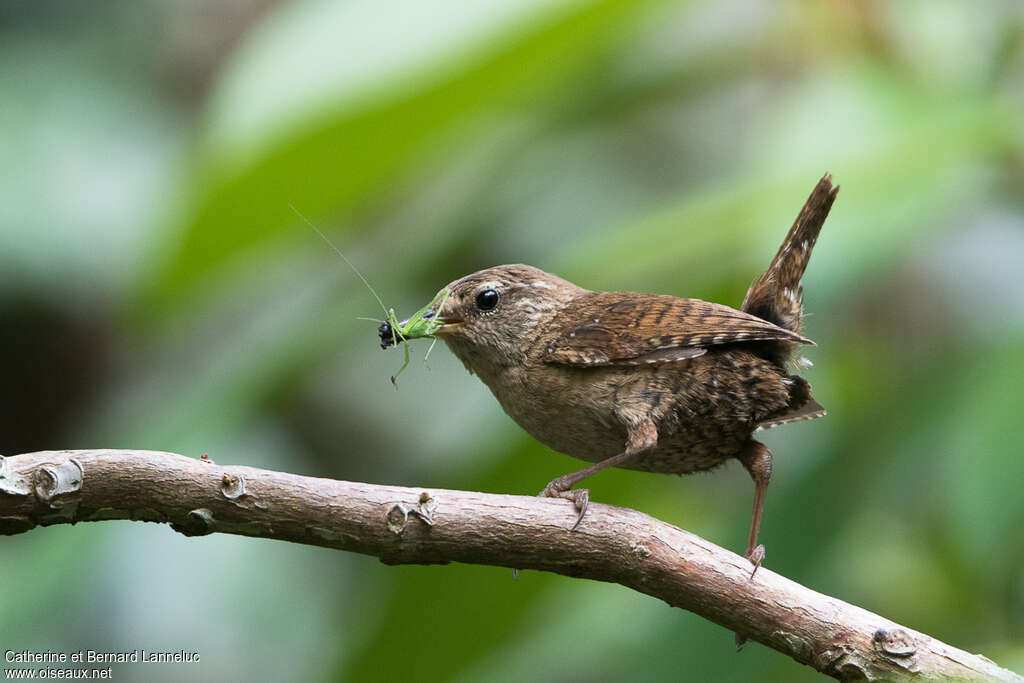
[[411, 525]]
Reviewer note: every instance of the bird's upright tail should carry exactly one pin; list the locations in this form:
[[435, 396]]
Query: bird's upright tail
[[777, 296]]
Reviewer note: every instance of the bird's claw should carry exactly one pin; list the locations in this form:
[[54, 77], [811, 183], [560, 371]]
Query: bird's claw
[[756, 556], [580, 497]]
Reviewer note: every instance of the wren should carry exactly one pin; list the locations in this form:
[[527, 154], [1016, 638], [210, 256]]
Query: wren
[[641, 381]]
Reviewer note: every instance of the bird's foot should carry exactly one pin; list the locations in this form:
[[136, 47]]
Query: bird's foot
[[756, 556], [559, 488]]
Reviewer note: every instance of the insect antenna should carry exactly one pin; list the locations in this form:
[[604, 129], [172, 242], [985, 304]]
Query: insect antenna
[[344, 258], [388, 314]]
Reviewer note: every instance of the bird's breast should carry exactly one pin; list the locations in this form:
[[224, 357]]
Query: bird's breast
[[704, 408]]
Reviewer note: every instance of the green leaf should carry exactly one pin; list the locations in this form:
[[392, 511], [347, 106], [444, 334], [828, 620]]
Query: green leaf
[[352, 154]]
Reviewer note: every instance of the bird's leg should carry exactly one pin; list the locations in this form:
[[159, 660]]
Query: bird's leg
[[640, 438], [756, 457]]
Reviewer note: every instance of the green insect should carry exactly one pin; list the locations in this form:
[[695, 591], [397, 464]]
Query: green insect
[[392, 331], [421, 324]]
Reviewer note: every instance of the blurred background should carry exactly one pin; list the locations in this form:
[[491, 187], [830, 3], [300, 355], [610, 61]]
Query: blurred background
[[157, 292]]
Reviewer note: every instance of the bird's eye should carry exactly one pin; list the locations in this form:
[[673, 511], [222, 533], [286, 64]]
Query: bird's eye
[[487, 300]]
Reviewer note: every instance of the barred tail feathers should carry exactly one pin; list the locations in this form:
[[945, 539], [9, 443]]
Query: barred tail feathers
[[777, 296]]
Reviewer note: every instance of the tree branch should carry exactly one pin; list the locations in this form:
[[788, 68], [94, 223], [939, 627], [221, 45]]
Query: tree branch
[[406, 525]]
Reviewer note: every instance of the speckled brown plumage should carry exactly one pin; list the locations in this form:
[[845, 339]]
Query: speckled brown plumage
[[641, 381]]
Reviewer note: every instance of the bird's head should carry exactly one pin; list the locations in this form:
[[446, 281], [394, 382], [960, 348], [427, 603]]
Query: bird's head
[[491, 317]]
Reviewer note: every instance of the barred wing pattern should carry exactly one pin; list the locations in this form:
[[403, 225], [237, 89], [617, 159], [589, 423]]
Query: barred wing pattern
[[624, 328]]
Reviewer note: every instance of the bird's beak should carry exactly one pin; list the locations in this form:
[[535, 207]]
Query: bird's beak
[[448, 324]]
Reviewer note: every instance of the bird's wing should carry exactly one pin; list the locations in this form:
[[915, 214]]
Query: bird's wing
[[623, 328]]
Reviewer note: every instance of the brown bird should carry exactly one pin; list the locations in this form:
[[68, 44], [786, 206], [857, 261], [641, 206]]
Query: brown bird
[[641, 381]]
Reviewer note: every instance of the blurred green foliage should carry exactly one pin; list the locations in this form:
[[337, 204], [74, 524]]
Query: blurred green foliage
[[156, 291]]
